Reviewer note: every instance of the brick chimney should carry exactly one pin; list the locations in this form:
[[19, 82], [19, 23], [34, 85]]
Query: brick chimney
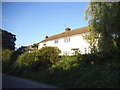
[[46, 37], [67, 29]]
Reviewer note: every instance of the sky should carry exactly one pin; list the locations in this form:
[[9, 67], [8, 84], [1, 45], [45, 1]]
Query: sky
[[32, 21]]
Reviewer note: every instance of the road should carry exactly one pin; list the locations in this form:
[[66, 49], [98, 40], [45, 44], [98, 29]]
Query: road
[[15, 82]]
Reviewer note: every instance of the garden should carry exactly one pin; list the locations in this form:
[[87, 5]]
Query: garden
[[97, 70]]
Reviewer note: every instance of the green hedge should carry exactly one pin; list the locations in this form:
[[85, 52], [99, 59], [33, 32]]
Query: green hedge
[[25, 60], [6, 59], [66, 62], [37, 60], [6, 55], [98, 58]]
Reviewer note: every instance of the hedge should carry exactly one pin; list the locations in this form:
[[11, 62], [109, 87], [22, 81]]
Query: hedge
[[37, 60]]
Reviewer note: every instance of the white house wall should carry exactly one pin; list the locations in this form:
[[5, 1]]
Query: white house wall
[[76, 41]]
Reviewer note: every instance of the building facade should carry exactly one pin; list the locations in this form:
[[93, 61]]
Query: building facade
[[68, 42]]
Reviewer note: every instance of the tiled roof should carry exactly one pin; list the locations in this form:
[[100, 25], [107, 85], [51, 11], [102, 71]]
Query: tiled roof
[[68, 33]]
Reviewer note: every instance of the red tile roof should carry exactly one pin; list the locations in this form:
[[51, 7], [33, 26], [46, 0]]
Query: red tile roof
[[68, 33]]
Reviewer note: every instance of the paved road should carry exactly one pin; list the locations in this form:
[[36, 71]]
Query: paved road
[[15, 82]]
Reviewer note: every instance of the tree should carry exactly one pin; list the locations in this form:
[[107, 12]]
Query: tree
[[104, 20], [8, 40]]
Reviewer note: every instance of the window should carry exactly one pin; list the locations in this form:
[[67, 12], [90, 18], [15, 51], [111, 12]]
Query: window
[[67, 40], [66, 53], [56, 41], [44, 44], [75, 51]]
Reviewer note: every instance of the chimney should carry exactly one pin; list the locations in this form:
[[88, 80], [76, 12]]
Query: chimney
[[67, 29], [46, 37]]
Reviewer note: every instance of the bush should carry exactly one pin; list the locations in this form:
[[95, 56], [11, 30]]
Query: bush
[[87, 58], [49, 53], [66, 62], [6, 59], [97, 58], [6, 55], [37, 60], [25, 60]]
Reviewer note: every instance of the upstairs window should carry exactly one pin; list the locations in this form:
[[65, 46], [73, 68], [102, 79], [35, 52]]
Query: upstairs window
[[44, 44], [56, 41], [67, 40]]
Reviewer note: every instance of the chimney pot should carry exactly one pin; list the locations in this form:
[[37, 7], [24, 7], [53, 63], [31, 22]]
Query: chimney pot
[[67, 29], [46, 37]]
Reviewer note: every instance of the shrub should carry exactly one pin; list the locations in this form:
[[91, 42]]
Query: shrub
[[66, 62], [25, 60], [37, 60], [6, 59], [6, 55], [97, 58], [87, 58], [49, 53]]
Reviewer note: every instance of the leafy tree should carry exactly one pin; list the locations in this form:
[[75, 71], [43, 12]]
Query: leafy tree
[[22, 49], [104, 20], [8, 40]]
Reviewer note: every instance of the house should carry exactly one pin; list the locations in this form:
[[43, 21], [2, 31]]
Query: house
[[69, 41], [30, 48], [27, 48]]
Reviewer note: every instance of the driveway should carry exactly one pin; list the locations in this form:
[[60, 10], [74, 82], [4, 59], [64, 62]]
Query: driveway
[[15, 82]]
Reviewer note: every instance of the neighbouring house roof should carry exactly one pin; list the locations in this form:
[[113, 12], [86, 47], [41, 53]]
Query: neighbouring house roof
[[32, 48], [68, 33]]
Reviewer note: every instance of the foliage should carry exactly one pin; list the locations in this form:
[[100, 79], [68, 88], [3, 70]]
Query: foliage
[[69, 71], [22, 49], [81, 76], [66, 62], [97, 58], [8, 40], [104, 18], [30, 61], [6, 54], [37, 60], [49, 53], [92, 40], [6, 59]]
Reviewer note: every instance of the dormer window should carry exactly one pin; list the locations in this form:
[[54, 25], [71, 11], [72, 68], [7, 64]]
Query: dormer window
[[56, 41], [67, 40]]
